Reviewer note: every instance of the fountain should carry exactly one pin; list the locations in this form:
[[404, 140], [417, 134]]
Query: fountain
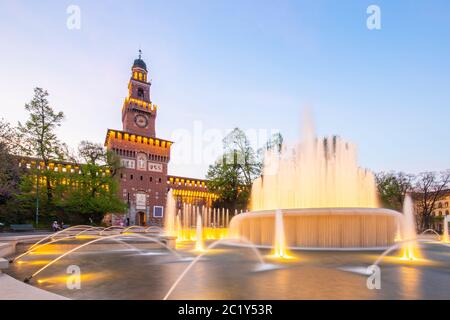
[[170, 217], [445, 237], [409, 230], [327, 200]]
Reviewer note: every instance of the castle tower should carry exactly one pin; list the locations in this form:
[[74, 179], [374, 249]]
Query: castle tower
[[138, 112], [143, 156]]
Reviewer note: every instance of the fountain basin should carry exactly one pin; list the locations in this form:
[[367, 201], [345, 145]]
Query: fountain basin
[[320, 228]]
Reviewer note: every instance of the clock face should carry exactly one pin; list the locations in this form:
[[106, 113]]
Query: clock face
[[141, 121]]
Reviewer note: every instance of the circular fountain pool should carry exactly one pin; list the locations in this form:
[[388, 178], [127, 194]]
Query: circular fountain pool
[[327, 228]]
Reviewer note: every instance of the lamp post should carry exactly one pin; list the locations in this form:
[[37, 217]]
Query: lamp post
[[37, 198]]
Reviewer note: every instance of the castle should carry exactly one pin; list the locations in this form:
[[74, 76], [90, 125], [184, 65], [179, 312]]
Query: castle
[[144, 178]]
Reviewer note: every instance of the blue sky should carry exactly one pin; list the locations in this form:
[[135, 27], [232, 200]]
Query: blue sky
[[248, 64]]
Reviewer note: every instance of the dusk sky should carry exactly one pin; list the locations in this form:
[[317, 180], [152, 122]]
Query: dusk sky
[[248, 64]]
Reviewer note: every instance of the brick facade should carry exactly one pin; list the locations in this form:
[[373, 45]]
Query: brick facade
[[144, 180]]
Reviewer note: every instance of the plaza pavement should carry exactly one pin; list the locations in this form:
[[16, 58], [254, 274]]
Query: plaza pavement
[[13, 289]]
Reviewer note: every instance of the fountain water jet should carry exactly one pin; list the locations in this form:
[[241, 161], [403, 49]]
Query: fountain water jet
[[263, 266], [199, 243], [445, 236], [431, 231], [316, 173], [280, 238], [169, 223], [111, 237], [410, 249], [180, 229]]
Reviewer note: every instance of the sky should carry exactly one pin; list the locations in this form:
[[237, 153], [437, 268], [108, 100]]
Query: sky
[[256, 65]]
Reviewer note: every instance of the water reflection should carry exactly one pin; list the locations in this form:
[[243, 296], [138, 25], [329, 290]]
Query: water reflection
[[228, 273]]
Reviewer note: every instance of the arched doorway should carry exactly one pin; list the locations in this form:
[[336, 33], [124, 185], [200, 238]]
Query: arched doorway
[[140, 218]]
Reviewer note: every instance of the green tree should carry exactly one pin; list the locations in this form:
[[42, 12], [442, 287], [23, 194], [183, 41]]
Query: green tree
[[39, 137], [96, 186], [232, 175], [10, 175], [392, 188]]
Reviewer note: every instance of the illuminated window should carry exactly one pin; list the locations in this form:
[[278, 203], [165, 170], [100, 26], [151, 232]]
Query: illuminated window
[[135, 75], [140, 76]]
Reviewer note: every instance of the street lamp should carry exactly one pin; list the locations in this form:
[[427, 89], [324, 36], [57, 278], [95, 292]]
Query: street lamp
[[37, 196]]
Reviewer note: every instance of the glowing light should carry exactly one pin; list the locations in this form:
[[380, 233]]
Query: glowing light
[[84, 277], [408, 254], [83, 237], [279, 247], [409, 248], [199, 244]]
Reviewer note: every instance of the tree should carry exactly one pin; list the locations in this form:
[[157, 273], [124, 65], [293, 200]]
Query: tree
[[10, 174], [232, 175], [96, 187], [392, 188], [38, 134], [429, 188], [10, 138]]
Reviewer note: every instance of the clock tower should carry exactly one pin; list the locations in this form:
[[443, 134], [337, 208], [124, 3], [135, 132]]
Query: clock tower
[[138, 112], [143, 156]]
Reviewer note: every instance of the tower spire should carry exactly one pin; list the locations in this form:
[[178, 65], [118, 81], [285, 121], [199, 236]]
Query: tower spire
[[140, 53]]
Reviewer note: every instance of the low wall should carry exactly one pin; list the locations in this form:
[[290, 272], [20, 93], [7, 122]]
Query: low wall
[[341, 228], [6, 249]]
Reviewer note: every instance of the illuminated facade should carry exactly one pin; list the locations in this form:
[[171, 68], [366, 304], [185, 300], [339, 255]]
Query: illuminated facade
[[144, 180], [441, 209]]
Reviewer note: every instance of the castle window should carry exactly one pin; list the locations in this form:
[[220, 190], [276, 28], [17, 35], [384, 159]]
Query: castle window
[[159, 180], [140, 93], [158, 211], [151, 179], [131, 177], [140, 76], [142, 178]]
